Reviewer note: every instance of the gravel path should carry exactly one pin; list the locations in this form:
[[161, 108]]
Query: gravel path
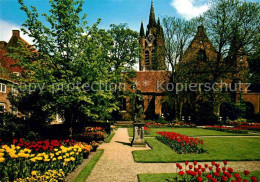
[[117, 163]]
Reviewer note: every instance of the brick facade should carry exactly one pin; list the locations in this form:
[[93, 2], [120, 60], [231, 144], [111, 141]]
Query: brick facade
[[148, 77]]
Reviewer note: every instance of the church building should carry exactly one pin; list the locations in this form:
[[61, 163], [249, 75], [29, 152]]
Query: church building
[[153, 72]]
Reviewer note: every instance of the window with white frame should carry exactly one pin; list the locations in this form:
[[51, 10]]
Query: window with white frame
[[14, 91], [2, 88], [2, 107]]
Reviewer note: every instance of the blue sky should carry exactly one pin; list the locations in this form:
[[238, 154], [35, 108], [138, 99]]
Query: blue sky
[[110, 11]]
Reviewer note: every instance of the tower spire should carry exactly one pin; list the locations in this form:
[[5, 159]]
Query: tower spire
[[152, 21], [142, 30]]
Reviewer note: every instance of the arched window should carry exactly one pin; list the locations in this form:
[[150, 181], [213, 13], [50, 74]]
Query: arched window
[[153, 55], [201, 55], [147, 61]]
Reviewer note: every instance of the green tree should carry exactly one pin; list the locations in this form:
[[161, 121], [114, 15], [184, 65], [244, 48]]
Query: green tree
[[71, 64], [178, 34], [125, 53]]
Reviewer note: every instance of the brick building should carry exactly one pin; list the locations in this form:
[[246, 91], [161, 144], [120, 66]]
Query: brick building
[[8, 68], [152, 70]]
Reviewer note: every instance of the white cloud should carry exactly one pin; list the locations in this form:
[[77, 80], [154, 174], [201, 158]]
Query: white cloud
[[6, 31], [188, 9]]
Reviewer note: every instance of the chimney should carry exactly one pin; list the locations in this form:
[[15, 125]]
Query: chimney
[[16, 33]]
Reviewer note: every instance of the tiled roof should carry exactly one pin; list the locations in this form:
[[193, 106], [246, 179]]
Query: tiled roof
[[150, 81]]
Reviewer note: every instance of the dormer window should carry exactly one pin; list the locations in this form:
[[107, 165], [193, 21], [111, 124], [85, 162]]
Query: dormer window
[[2, 88], [16, 73]]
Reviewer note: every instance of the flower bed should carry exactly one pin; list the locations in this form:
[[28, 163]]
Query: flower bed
[[227, 129], [31, 161], [174, 124], [210, 172], [92, 134], [254, 127], [180, 143]]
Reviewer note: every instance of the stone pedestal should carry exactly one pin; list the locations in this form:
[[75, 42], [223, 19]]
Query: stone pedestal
[[138, 137]]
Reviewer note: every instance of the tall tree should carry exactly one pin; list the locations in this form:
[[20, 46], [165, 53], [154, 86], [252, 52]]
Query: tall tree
[[178, 34], [125, 53], [71, 64]]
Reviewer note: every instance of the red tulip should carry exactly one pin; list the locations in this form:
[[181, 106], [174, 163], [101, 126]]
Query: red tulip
[[246, 172], [186, 163], [216, 174], [230, 170], [195, 163], [214, 180], [253, 179], [228, 175], [236, 175], [209, 177], [224, 178], [181, 173], [225, 162], [190, 166], [199, 179]]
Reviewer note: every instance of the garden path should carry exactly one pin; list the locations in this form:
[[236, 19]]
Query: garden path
[[117, 163]]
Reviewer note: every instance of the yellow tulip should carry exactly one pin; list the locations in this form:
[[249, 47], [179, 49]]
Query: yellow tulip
[[2, 159], [72, 158], [34, 173]]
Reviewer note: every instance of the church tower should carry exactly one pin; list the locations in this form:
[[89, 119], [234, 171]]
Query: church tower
[[152, 43]]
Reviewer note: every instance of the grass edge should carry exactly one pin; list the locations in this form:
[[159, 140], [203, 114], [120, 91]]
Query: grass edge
[[86, 171]]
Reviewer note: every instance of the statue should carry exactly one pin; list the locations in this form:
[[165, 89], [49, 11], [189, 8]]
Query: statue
[[139, 111], [138, 125]]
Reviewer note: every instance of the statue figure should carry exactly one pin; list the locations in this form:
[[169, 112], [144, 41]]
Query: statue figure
[[139, 111], [138, 125]]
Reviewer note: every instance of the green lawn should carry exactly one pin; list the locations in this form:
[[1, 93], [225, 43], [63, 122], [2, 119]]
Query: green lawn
[[166, 176], [188, 132], [109, 138], [85, 172], [219, 149]]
